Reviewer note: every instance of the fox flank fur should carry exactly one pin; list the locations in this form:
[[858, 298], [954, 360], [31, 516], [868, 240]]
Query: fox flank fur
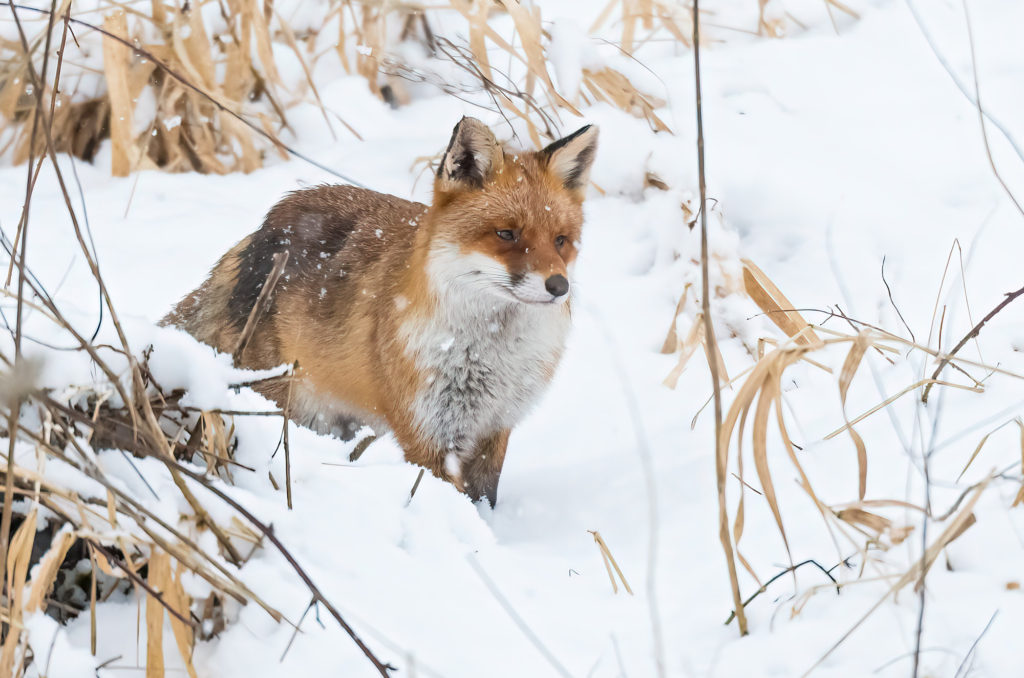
[[443, 324]]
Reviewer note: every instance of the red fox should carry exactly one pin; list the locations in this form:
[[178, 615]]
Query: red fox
[[443, 324]]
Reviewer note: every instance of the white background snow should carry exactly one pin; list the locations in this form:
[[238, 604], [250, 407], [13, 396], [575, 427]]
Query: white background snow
[[826, 151]]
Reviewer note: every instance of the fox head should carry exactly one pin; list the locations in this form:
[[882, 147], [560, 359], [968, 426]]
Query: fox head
[[509, 223]]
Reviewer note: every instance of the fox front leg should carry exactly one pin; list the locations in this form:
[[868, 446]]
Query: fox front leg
[[480, 472]]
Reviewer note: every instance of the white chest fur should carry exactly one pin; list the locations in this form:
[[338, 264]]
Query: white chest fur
[[484, 361]]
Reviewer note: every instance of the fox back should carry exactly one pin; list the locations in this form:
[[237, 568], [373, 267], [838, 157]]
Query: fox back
[[442, 324]]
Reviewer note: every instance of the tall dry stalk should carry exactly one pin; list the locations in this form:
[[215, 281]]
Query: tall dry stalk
[[721, 446], [7, 585]]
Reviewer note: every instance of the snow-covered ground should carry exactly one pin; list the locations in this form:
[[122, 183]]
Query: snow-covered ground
[[826, 153]]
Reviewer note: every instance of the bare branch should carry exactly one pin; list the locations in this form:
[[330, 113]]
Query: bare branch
[[1010, 296]]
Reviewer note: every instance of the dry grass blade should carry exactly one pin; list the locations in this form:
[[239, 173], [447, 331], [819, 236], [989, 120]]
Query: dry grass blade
[[759, 393], [963, 520], [528, 26], [877, 524], [774, 303], [203, 517], [1020, 493], [159, 573], [46, 572], [956, 527], [768, 394], [763, 292], [737, 413], [671, 343], [739, 521], [842, 7], [92, 603], [116, 64], [18, 559], [981, 444], [609, 563], [850, 365], [686, 347], [714, 353], [896, 396], [163, 580]]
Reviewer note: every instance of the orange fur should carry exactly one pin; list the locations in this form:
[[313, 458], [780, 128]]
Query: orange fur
[[441, 323]]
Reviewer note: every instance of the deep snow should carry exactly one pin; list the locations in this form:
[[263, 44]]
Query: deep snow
[[825, 154]]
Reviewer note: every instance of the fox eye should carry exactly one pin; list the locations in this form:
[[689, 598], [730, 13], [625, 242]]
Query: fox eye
[[560, 241], [506, 235]]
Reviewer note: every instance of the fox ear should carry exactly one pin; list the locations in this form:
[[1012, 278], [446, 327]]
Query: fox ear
[[569, 159], [473, 156]]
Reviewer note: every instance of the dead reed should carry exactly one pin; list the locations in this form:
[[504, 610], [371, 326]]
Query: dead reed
[[177, 91], [89, 513], [757, 407], [170, 93], [125, 541]]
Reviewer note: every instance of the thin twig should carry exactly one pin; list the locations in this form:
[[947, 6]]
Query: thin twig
[[285, 415], [1010, 296], [922, 590], [527, 631], [894, 306], [960, 670], [894, 337], [261, 306], [415, 486], [959, 84], [136, 579], [360, 447], [298, 627], [981, 115], [203, 518], [268, 532], [783, 573], [233, 413]]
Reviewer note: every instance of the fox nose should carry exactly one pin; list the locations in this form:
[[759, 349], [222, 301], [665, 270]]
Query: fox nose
[[557, 285]]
